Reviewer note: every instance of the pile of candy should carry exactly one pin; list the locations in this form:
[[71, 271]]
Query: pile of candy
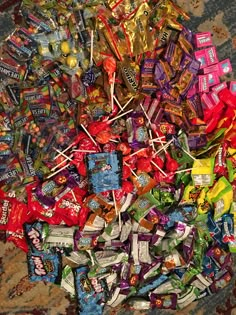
[[118, 151]]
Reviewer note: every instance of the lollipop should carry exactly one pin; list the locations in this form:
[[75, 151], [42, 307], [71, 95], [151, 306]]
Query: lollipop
[[109, 65]]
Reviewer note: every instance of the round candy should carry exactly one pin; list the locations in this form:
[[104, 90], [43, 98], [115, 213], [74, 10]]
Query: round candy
[[144, 164], [65, 47], [109, 65], [71, 61], [126, 172], [171, 164], [124, 148], [95, 127], [127, 186]]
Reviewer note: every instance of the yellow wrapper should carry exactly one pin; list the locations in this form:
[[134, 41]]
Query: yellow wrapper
[[203, 172], [203, 205], [223, 202], [139, 37], [123, 9], [219, 186]]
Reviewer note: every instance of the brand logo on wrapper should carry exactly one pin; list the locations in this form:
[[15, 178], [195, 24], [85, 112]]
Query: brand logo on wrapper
[[5, 212], [35, 238], [130, 78], [39, 267], [67, 203]]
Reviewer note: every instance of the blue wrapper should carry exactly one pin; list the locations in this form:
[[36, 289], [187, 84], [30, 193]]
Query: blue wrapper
[[45, 267], [104, 171], [90, 302], [227, 228], [33, 234]]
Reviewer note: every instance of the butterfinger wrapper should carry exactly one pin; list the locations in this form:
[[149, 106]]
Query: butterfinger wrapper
[[130, 74]]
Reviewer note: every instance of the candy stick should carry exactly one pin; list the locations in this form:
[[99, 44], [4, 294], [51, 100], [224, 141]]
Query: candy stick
[[131, 170], [112, 87], [117, 117], [73, 194], [159, 168], [136, 152], [127, 103], [158, 139], [150, 136], [62, 162], [113, 140], [186, 170], [149, 121], [61, 153], [164, 146], [118, 103], [89, 135], [66, 149], [91, 49], [51, 175], [115, 205], [192, 157]]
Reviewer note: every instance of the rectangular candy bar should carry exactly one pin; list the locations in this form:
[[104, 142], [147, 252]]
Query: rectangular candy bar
[[203, 39], [211, 55]]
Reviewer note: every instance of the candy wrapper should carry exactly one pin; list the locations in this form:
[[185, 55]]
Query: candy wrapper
[[89, 300], [45, 267], [118, 152], [104, 171]]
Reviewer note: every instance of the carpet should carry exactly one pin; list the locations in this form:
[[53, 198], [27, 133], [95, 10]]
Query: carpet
[[17, 294]]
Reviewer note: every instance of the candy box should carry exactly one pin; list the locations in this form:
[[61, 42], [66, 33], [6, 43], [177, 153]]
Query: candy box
[[203, 39]]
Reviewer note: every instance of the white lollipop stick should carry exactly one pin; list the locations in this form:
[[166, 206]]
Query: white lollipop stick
[[117, 117], [192, 157], [127, 103], [135, 175], [88, 134], [91, 49], [66, 149], [51, 175], [112, 87], [164, 146], [61, 153], [159, 168], [59, 164], [150, 136], [136, 152], [146, 115], [73, 194], [118, 103], [113, 140], [186, 170], [158, 139]]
